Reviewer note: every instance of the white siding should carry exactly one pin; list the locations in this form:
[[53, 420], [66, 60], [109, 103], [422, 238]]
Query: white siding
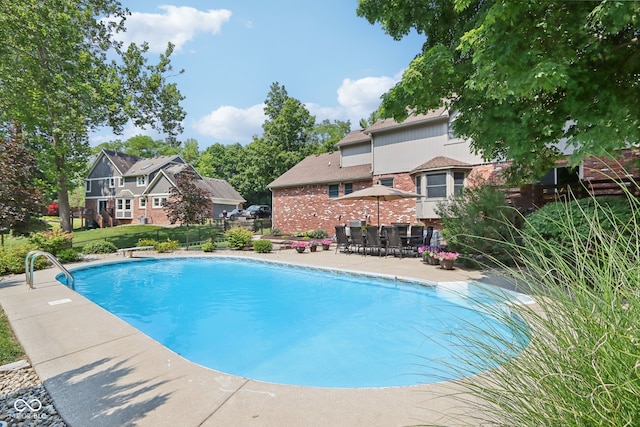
[[355, 155]]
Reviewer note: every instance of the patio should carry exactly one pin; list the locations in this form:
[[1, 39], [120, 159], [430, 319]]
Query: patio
[[101, 371]]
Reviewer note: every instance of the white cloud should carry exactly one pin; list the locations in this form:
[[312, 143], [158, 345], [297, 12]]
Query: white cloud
[[177, 25], [359, 98], [231, 124]]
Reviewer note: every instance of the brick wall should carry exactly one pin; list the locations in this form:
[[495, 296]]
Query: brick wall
[[306, 208]]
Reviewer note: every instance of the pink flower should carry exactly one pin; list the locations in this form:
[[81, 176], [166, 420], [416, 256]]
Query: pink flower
[[448, 255]]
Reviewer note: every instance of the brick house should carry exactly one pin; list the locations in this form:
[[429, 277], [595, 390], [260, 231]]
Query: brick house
[[420, 155], [125, 189]]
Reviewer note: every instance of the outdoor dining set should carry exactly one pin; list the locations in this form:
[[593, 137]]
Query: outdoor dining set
[[397, 239]]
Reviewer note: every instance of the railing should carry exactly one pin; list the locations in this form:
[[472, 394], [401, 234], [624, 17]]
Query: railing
[[531, 197], [30, 259]]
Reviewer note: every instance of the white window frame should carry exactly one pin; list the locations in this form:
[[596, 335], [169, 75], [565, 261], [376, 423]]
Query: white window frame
[[121, 181], [142, 202], [112, 182], [141, 181], [124, 208], [157, 202], [87, 186]]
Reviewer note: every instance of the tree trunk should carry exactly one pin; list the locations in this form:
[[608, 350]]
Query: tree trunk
[[64, 210]]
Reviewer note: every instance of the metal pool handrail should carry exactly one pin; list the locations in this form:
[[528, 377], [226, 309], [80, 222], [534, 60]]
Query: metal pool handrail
[[29, 261]]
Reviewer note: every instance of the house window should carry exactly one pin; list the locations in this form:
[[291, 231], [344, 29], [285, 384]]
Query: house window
[[458, 183], [348, 188], [157, 202], [418, 184], [120, 182], [334, 191], [387, 182], [436, 185], [561, 176], [87, 186], [141, 181], [112, 183], [123, 208], [142, 202]]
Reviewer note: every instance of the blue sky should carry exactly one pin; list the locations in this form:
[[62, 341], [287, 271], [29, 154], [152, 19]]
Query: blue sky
[[327, 57]]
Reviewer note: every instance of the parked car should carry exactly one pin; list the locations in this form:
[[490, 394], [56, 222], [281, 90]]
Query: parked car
[[257, 211], [235, 214]]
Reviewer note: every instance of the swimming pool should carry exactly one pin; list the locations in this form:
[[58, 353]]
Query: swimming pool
[[302, 326]]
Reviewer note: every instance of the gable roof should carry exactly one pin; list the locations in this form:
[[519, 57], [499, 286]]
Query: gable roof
[[355, 137], [321, 169], [147, 166], [412, 120], [440, 163], [218, 189], [122, 162], [222, 190]]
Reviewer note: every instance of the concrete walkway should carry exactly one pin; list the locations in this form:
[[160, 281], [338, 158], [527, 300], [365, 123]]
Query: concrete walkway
[[100, 371]]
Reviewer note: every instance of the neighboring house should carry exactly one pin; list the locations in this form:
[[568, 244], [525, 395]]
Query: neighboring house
[[125, 189], [420, 155]]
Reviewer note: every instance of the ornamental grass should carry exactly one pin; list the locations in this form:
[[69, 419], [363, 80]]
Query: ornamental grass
[[582, 364]]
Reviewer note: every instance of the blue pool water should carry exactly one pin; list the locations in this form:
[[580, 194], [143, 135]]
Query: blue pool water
[[284, 324]]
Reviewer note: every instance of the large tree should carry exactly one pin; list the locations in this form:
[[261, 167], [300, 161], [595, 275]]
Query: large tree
[[328, 134], [62, 75], [523, 75], [20, 196], [286, 140]]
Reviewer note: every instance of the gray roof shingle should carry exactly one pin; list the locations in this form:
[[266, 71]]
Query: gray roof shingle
[[321, 169], [441, 162]]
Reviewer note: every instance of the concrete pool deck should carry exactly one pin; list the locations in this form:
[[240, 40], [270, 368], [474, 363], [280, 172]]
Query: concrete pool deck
[[100, 371]]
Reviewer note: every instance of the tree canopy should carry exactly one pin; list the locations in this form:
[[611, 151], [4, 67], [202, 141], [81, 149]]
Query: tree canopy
[[187, 203], [20, 195], [524, 75], [62, 74]]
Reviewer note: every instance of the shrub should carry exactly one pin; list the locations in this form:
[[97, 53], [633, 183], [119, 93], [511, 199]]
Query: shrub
[[478, 221], [208, 246], [52, 209], [12, 260], [167, 246], [147, 242], [262, 246], [316, 234], [68, 255], [581, 365], [238, 238], [99, 247], [549, 222], [52, 241]]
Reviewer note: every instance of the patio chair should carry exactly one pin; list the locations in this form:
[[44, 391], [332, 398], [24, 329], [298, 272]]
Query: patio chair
[[357, 239], [373, 239], [394, 243], [342, 239], [428, 235], [417, 238]]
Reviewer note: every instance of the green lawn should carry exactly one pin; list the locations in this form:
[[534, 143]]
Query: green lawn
[[10, 349]]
